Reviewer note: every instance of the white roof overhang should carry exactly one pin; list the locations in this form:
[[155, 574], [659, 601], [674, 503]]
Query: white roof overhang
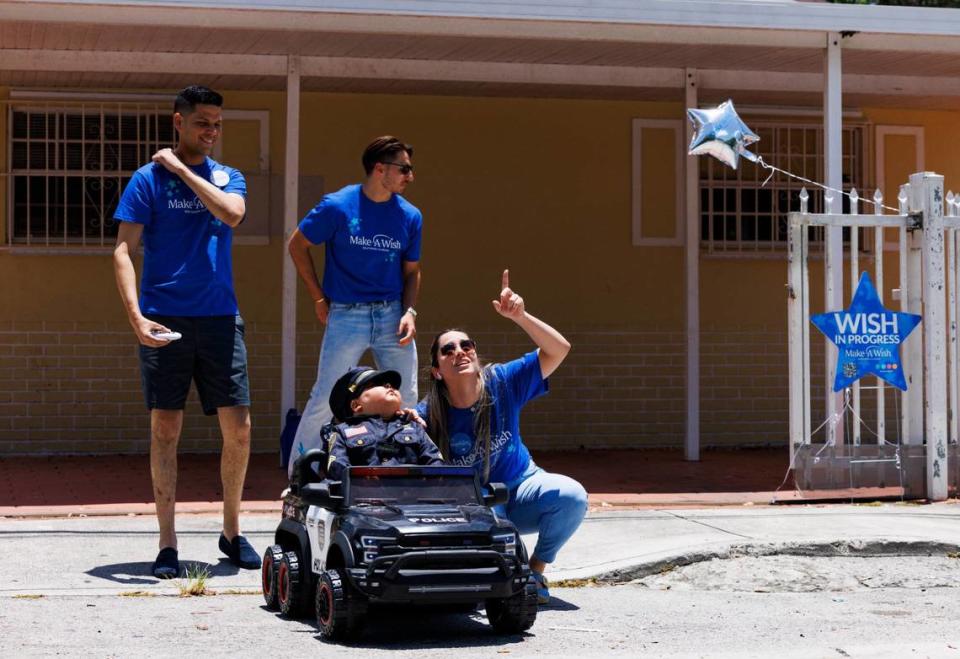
[[600, 49], [291, 14]]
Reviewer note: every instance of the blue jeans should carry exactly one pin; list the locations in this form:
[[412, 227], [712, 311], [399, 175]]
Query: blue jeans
[[552, 505], [351, 329]]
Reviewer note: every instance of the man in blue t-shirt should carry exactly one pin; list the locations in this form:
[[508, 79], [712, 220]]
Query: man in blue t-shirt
[[184, 206], [371, 279]]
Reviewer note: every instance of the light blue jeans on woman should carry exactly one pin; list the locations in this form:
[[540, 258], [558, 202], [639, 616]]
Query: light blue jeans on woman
[[551, 504], [351, 329]]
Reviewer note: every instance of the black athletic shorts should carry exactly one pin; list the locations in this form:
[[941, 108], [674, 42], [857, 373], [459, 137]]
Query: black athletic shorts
[[211, 353]]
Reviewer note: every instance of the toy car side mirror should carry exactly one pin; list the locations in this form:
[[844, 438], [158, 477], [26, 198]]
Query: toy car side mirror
[[497, 495], [319, 494]]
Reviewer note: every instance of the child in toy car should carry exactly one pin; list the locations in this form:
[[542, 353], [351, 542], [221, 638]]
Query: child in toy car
[[373, 430], [391, 524]]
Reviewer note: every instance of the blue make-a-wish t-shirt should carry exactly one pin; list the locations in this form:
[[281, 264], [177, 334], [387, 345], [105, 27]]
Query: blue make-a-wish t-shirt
[[187, 269], [510, 385], [366, 243]]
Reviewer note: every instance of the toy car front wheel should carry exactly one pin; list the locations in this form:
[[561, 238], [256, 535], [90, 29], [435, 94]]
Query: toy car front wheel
[[514, 614], [268, 575], [292, 586], [340, 613]]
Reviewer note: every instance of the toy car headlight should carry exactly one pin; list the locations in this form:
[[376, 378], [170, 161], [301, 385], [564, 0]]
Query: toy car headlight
[[505, 543], [370, 546]]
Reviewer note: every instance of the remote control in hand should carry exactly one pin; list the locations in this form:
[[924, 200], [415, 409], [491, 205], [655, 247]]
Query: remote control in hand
[[166, 336]]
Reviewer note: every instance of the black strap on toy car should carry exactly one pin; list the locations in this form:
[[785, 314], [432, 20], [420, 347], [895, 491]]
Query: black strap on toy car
[[312, 465]]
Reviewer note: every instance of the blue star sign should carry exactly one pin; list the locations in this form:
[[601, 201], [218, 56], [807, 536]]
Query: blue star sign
[[868, 337]]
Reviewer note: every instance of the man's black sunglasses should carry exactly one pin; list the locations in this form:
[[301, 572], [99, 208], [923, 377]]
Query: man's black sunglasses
[[403, 167], [466, 345]]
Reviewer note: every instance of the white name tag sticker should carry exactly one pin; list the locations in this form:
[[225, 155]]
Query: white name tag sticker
[[220, 178]]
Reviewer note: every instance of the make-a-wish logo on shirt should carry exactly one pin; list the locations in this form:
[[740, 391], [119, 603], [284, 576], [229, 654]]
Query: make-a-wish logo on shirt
[[379, 243], [461, 443], [353, 226], [174, 188], [186, 205]]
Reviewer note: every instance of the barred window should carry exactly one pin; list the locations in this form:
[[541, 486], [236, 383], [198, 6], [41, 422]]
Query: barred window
[[739, 215], [68, 166]]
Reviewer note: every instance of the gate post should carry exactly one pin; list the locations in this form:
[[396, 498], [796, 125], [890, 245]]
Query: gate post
[[930, 186], [911, 296], [797, 343]]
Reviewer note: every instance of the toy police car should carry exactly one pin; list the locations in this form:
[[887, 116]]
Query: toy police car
[[415, 535]]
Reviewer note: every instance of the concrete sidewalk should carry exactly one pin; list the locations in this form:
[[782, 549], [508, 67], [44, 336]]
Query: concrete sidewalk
[[86, 524], [109, 555], [120, 484]]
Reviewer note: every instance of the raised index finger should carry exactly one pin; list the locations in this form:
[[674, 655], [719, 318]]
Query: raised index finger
[[505, 280]]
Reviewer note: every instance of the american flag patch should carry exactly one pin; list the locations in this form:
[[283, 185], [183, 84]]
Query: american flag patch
[[353, 431]]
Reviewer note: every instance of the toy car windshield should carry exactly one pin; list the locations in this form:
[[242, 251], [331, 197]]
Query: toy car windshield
[[412, 485]]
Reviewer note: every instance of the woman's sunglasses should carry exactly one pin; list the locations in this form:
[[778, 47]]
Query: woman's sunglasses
[[466, 345], [404, 168]]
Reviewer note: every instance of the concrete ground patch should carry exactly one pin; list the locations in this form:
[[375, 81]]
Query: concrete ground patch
[[816, 550], [791, 573]]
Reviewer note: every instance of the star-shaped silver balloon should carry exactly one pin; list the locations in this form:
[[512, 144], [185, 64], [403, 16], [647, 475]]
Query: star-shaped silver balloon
[[720, 133]]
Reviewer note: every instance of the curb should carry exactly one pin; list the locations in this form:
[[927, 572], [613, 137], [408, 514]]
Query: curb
[[275, 507], [132, 509], [826, 549]]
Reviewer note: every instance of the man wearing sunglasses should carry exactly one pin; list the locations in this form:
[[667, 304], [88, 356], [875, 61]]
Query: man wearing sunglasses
[[371, 279]]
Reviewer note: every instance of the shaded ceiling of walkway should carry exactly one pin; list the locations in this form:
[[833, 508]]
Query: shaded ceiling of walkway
[[572, 63]]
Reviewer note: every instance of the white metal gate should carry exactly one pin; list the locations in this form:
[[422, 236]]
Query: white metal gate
[[915, 453]]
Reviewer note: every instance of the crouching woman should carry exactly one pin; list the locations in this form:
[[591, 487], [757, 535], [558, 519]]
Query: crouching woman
[[473, 413]]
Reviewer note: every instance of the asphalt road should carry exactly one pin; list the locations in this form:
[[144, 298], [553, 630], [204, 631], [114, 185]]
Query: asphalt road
[[81, 587], [626, 620]]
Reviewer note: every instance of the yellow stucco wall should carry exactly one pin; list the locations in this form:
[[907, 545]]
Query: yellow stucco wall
[[4, 95], [502, 183], [511, 183], [542, 186]]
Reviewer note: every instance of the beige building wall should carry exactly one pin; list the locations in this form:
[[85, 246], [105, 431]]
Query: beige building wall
[[542, 186]]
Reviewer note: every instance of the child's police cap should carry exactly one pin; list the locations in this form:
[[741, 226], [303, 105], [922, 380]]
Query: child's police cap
[[352, 383]]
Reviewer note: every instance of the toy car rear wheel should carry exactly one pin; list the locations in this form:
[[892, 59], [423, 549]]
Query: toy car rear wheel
[[292, 586], [268, 575], [340, 612], [514, 614]]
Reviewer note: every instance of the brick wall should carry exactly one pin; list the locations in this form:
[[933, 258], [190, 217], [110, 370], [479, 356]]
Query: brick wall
[[69, 388], [75, 387]]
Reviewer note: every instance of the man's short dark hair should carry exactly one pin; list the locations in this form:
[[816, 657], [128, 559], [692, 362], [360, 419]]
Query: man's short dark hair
[[383, 149], [190, 97]]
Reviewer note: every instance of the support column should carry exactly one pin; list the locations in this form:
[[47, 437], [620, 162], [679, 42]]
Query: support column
[[833, 261], [291, 176], [691, 444]]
